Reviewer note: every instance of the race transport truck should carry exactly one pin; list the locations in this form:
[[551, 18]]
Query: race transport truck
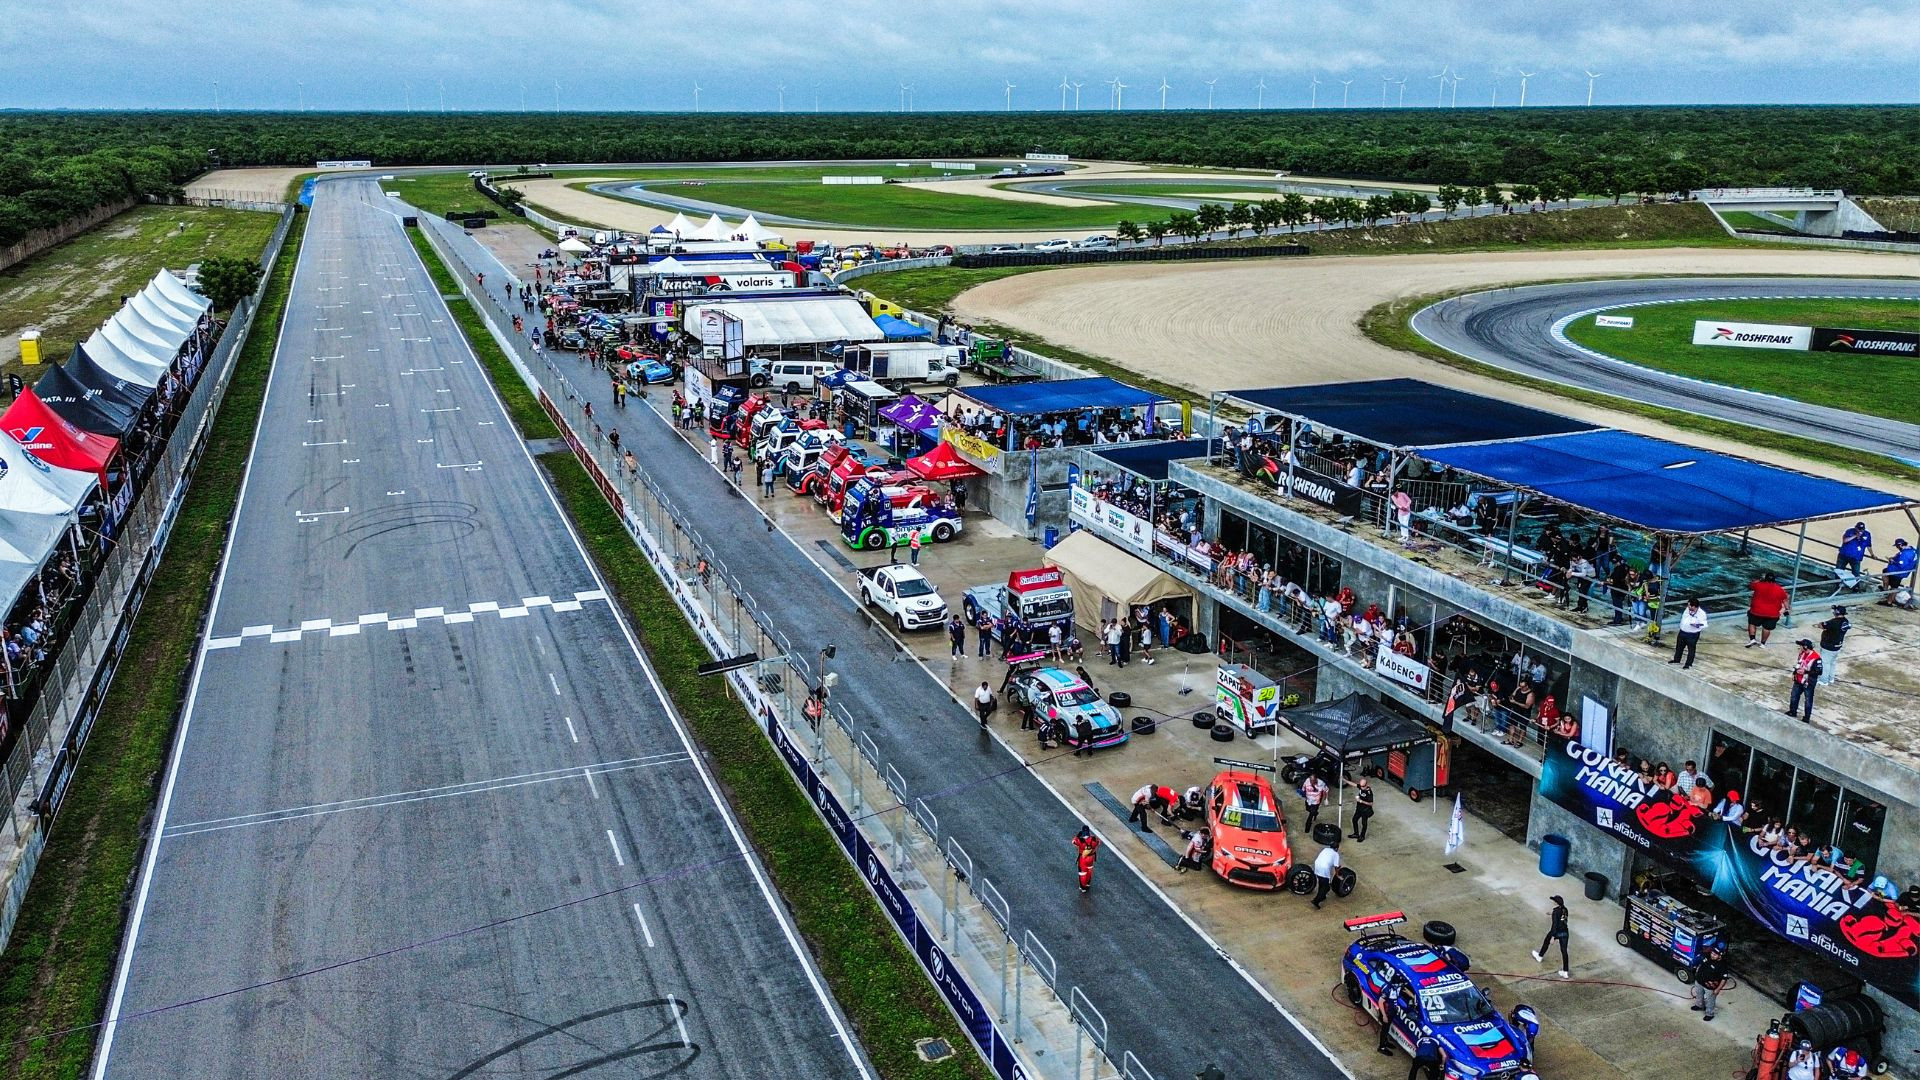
[[896, 364], [869, 520], [1030, 598]]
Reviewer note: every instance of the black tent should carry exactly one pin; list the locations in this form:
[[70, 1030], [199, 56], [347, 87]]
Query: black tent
[[85, 409], [1355, 726], [130, 396]]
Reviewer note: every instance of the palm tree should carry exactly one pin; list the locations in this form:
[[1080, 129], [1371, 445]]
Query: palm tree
[[1450, 198], [1159, 230], [1240, 216], [1294, 210], [1211, 216], [1129, 231]]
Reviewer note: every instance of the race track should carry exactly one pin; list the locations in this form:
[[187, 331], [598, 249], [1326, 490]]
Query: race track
[[427, 814], [1519, 329]]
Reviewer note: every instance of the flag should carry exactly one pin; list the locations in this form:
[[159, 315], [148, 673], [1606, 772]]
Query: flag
[[1456, 697], [1033, 488], [1456, 826]]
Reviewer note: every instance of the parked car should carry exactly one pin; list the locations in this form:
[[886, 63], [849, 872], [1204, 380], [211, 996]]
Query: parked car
[[1053, 245], [651, 370], [1417, 989], [904, 593], [1095, 242], [1249, 831], [1060, 695], [1004, 249]]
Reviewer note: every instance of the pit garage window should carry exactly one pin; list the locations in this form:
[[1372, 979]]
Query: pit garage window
[[1829, 813]]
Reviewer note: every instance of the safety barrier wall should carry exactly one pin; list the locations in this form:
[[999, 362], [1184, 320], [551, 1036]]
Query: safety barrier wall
[[1000, 981], [40, 240], [36, 774]]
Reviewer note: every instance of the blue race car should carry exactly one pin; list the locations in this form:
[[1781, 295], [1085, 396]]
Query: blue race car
[[651, 370], [1422, 991]]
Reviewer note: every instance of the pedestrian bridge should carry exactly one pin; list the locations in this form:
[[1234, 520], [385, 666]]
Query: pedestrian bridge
[[1816, 211]]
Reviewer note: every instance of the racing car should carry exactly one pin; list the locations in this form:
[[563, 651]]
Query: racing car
[[1059, 695], [650, 370], [1422, 991], [1249, 832]]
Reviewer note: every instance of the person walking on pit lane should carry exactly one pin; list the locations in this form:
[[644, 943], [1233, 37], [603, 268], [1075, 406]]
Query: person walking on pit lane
[[983, 703], [1556, 931], [957, 636], [1769, 603], [1693, 621], [1362, 809], [1806, 675], [1325, 865], [1314, 790], [1833, 634], [1086, 847], [1709, 977]]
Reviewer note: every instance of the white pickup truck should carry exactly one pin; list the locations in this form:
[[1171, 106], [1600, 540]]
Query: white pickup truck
[[905, 593]]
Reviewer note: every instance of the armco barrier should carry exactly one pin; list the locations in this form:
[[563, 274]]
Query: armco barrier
[[1132, 254], [37, 772]]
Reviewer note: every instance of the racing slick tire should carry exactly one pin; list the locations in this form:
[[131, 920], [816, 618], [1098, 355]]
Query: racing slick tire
[[942, 533], [1222, 733], [1625, 939], [1144, 725], [1120, 699], [1203, 719], [1344, 880], [1300, 879], [1353, 986], [1436, 932]]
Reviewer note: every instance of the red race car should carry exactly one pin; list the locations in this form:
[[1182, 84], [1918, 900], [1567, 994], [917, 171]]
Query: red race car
[[1249, 831]]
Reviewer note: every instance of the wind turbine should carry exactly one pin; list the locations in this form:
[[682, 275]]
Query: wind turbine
[[1591, 75], [1524, 76], [1440, 98], [696, 97], [783, 97], [1401, 101], [303, 95], [1496, 90], [216, 95], [1064, 86], [442, 84], [556, 95], [523, 97], [1453, 100], [1076, 95], [1119, 94], [1010, 96], [1385, 81], [1210, 83], [1344, 84], [1315, 87], [1260, 102], [409, 87], [903, 97], [1163, 93]]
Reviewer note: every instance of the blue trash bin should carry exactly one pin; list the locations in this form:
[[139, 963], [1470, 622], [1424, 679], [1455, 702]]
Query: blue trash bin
[[1553, 854], [1052, 537]]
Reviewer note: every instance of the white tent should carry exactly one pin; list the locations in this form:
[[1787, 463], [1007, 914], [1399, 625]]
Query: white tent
[[161, 343], [1107, 582], [176, 290], [681, 227], [576, 246], [708, 266], [714, 229], [161, 317], [31, 486], [177, 311], [800, 321], [117, 362], [147, 362], [752, 230]]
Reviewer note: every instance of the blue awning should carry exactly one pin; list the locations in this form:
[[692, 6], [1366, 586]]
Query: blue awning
[[1408, 413], [898, 329], [1149, 460], [1660, 485], [1028, 399]]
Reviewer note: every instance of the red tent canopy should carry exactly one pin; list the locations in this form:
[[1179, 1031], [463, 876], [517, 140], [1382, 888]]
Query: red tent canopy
[[55, 441], [943, 463]]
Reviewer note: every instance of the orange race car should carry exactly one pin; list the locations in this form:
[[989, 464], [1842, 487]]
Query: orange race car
[[1249, 831]]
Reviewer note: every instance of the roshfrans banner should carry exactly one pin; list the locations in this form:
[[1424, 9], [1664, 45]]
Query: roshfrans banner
[[1811, 906], [1867, 342], [1746, 335]]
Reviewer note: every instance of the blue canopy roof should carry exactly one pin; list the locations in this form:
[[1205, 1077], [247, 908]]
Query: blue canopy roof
[[898, 329], [1408, 413], [1660, 485], [1149, 460], [1027, 399]]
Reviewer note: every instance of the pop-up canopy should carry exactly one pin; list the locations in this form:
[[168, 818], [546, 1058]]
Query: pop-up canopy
[[82, 407], [50, 437], [573, 245], [713, 229], [751, 229], [681, 227], [1354, 726], [176, 292], [912, 413], [31, 486], [942, 463], [163, 317], [105, 384], [126, 356]]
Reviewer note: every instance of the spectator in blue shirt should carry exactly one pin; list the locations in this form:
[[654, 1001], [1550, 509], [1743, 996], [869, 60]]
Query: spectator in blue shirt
[[1899, 568], [1855, 545]]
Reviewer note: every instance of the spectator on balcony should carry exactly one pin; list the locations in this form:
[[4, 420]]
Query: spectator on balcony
[[1768, 604], [1898, 571], [1855, 545]]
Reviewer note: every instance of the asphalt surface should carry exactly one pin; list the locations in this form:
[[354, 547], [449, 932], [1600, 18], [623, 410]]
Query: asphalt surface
[[1167, 994], [1518, 329], [428, 816]]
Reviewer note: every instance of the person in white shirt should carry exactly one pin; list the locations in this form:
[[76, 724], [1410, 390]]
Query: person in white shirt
[[1730, 809], [983, 703], [1693, 622], [1325, 865], [1314, 790], [1683, 784]]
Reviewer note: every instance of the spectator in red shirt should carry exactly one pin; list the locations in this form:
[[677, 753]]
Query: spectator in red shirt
[[1769, 603]]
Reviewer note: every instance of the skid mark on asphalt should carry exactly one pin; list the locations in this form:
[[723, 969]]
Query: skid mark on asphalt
[[377, 620], [401, 798]]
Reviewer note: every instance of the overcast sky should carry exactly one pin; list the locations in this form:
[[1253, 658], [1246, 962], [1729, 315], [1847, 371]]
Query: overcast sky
[[855, 54]]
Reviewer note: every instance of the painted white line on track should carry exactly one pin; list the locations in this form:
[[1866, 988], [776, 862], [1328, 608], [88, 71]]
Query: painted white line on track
[[679, 1021], [646, 933], [591, 786], [553, 682], [570, 732], [615, 845]]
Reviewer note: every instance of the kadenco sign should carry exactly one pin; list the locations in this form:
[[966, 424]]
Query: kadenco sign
[[1741, 335]]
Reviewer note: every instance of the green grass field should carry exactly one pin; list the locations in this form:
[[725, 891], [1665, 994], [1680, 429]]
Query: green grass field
[[1662, 338], [897, 206], [752, 172], [69, 290], [1750, 222]]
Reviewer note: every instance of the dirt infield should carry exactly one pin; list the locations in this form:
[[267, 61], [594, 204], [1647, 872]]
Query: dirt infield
[[264, 185], [1228, 325]]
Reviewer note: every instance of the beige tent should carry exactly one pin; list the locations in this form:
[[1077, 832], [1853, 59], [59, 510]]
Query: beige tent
[[1108, 582]]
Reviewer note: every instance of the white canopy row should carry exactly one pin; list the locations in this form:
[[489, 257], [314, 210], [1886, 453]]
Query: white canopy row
[[715, 229], [799, 321], [139, 342]]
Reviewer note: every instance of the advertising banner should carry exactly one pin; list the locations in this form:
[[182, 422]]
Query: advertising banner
[[1742, 335], [1402, 669], [1870, 342], [1110, 521], [1616, 322], [1322, 489], [1809, 905], [978, 451]]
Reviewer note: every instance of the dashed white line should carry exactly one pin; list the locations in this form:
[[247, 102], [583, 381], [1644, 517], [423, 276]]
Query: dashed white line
[[648, 934], [615, 845], [570, 732], [679, 1021], [553, 682], [588, 773]]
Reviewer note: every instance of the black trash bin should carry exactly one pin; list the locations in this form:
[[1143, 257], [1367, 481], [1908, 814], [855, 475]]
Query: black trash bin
[[1596, 886]]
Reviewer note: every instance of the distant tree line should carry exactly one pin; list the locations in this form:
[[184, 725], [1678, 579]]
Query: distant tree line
[[55, 164]]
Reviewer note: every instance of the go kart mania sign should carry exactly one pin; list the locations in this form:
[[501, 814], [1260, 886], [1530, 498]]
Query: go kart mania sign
[[1809, 905]]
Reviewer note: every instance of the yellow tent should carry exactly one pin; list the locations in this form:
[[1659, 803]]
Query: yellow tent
[[1107, 582]]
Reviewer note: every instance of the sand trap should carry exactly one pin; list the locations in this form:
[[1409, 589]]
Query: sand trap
[[1228, 325], [261, 185]]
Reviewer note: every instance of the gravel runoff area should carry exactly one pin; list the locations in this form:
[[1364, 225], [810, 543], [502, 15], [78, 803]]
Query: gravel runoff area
[[1279, 322]]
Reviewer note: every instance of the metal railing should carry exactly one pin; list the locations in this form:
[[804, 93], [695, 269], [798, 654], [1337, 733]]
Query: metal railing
[[36, 773]]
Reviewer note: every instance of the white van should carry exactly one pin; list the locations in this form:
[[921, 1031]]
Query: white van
[[797, 376]]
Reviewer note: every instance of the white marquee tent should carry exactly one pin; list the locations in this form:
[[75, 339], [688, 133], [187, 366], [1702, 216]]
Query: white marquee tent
[[799, 321]]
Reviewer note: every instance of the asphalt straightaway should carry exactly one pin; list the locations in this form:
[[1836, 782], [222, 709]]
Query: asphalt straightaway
[[428, 811], [1519, 329], [1166, 991]]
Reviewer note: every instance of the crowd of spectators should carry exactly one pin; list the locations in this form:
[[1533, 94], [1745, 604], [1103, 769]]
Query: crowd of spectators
[[1052, 431]]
